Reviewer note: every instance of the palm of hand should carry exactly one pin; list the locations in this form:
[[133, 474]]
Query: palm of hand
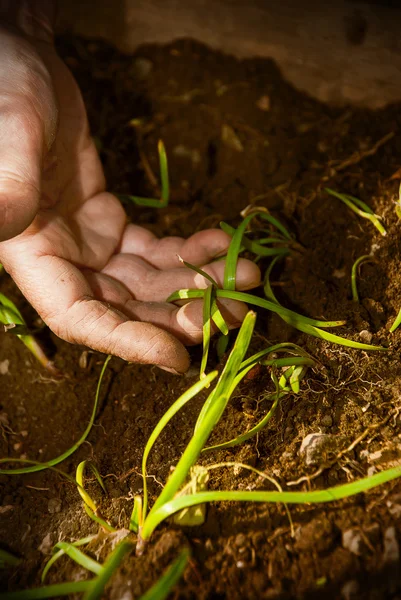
[[96, 280]]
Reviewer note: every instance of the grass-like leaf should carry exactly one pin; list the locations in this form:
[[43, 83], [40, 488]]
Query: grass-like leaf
[[359, 208], [49, 591], [8, 560], [168, 415], [80, 558], [12, 317], [354, 274], [300, 322], [55, 461], [396, 323], [165, 187], [339, 492], [61, 552], [162, 588], [89, 504], [113, 561], [258, 248], [215, 405], [237, 241]]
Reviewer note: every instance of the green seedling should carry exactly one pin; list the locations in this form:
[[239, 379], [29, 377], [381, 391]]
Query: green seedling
[[211, 295], [295, 369], [8, 560], [162, 588], [165, 187], [14, 322], [354, 274], [89, 505], [36, 466], [64, 548], [195, 515], [172, 499], [396, 323], [359, 208], [398, 203]]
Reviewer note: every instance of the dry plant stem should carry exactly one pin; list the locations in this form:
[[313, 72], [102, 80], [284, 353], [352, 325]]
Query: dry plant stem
[[355, 158], [358, 440]]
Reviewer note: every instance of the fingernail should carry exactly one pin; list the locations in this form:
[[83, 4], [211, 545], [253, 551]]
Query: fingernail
[[170, 370]]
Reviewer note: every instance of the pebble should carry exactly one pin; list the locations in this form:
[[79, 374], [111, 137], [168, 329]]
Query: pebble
[[54, 505], [240, 540], [142, 68], [352, 541], [350, 590], [366, 336], [264, 103], [327, 421], [391, 549], [46, 544], [4, 364], [315, 447]]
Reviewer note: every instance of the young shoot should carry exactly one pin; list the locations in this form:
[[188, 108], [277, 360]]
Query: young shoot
[[359, 208], [185, 487], [36, 466], [165, 186], [354, 274], [398, 203], [14, 322]]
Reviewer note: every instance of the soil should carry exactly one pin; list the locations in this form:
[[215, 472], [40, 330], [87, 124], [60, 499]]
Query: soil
[[279, 149]]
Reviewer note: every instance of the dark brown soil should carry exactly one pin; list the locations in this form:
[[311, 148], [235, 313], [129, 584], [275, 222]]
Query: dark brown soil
[[291, 147]]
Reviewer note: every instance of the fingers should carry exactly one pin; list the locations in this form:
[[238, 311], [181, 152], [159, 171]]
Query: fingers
[[186, 322], [199, 249], [64, 299], [148, 284], [28, 118]]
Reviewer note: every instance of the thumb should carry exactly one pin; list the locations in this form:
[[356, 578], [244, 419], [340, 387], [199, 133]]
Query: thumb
[[27, 126]]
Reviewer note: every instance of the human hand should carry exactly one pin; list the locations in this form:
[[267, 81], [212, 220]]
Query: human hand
[[92, 278]]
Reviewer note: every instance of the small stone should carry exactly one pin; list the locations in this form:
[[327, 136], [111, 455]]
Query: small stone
[[366, 336], [240, 564], [352, 541], [4, 364], [339, 273], [83, 360], [391, 549], [24, 433], [17, 446], [46, 545], [327, 421], [264, 103], [240, 540], [394, 509], [54, 505], [142, 68], [230, 138], [317, 446], [350, 590], [6, 508], [4, 419]]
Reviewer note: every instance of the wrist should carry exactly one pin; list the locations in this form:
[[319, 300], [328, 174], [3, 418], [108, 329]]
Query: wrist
[[34, 18]]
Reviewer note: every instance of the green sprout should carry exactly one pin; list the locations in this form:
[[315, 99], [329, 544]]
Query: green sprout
[[8, 560], [396, 323], [359, 208], [14, 322], [398, 203], [37, 466], [354, 273], [165, 187], [178, 494]]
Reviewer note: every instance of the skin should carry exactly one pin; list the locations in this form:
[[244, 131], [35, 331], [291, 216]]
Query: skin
[[93, 278]]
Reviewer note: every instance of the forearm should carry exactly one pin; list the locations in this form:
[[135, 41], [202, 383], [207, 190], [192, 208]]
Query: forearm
[[34, 18]]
